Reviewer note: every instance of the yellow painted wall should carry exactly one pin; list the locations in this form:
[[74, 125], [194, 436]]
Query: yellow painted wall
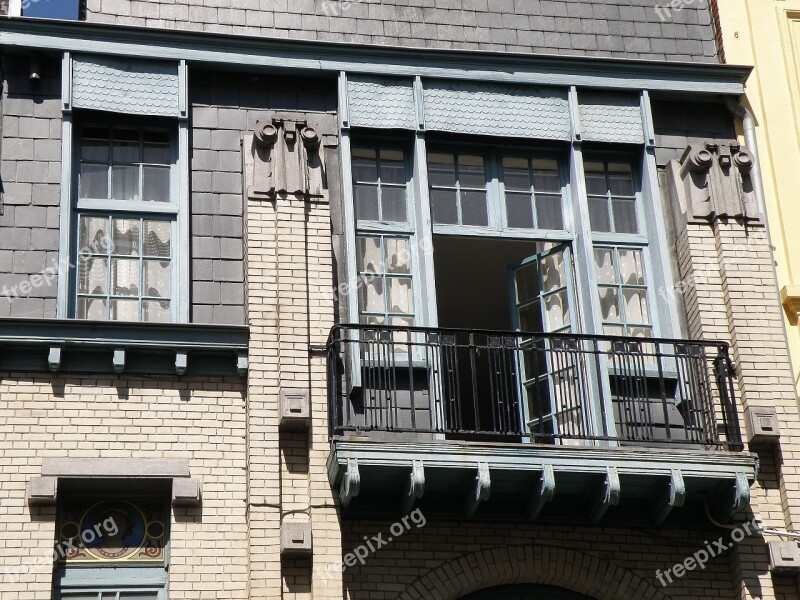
[[766, 34]]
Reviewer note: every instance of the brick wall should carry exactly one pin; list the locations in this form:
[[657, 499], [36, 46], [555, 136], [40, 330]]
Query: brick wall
[[31, 176], [621, 28]]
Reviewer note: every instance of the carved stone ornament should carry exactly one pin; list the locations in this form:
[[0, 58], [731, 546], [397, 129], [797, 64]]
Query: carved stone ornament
[[283, 157], [713, 181]]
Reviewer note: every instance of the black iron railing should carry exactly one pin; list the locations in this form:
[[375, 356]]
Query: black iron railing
[[525, 387]]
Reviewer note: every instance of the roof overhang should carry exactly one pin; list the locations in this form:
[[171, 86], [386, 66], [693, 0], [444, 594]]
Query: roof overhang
[[250, 53]]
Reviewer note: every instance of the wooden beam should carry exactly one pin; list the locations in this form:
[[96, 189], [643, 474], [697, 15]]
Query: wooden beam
[[351, 483], [543, 491], [481, 492], [670, 496], [415, 486], [606, 495]]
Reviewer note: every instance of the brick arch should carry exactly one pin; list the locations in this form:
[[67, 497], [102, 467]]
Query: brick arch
[[545, 565]]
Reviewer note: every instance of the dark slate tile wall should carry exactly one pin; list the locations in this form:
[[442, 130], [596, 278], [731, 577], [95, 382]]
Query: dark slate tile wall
[[31, 175], [678, 124], [611, 28], [224, 107]]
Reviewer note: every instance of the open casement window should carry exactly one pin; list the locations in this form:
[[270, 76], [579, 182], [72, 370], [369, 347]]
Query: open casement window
[[110, 549], [125, 224], [550, 371]]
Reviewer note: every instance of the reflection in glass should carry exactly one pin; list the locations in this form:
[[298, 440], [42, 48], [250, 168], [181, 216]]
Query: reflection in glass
[[393, 204], [93, 181], [473, 208], [400, 297], [398, 257], [369, 254], [443, 206]]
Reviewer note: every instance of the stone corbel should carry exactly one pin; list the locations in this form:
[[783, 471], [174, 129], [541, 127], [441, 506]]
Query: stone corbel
[[283, 157]]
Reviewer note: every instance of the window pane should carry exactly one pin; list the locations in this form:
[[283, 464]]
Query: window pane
[[155, 184], [80, 596], [93, 236], [631, 267], [598, 215], [609, 304], [640, 332], [124, 182], [371, 320], [595, 178], [400, 295], [93, 181], [125, 237], [94, 144], [124, 310], [471, 173], [93, 309], [371, 294], [393, 168], [557, 310], [156, 146], [154, 311], [124, 277], [126, 146], [545, 176], [93, 275], [519, 210], [441, 170], [548, 211], [636, 306], [530, 318], [156, 278], [613, 329], [369, 254], [393, 204], [515, 174], [604, 265], [138, 595], [443, 206], [625, 216], [365, 167], [366, 202], [620, 179], [527, 282], [398, 256], [473, 208], [553, 270], [157, 238]]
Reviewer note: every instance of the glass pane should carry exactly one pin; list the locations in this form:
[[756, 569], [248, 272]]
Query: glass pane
[[604, 265], [471, 173], [155, 184], [156, 146], [443, 206], [473, 208], [625, 216], [609, 304], [371, 320], [155, 311], [93, 275], [548, 211], [613, 329], [598, 215], [94, 144], [400, 295], [398, 256], [393, 204], [519, 210], [138, 595], [554, 274], [157, 238], [441, 170], [527, 282], [156, 278], [126, 146], [545, 176], [530, 318], [636, 306], [93, 182], [80, 596], [365, 167], [125, 237], [393, 167], [369, 254], [124, 310], [557, 310], [640, 332], [93, 309], [620, 179], [93, 235], [125, 277], [631, 267], [371, 293], [595, 178], [515, 174], [366, 202], [124, 182]]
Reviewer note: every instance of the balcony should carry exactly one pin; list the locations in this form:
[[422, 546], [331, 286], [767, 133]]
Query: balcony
[[496, 425]]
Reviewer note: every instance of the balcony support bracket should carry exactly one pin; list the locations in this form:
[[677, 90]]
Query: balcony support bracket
[[606, 495], [351, 483], [415, 487], [730, 498], [483, 488], [544, 488], [671, 496]]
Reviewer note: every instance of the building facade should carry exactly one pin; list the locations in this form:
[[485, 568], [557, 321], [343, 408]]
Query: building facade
[[368, 300]]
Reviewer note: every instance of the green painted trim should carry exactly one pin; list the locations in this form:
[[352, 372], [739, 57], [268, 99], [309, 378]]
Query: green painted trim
[[255, 53]]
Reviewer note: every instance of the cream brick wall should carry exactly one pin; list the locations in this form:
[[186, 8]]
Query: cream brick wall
[[202, 420]]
